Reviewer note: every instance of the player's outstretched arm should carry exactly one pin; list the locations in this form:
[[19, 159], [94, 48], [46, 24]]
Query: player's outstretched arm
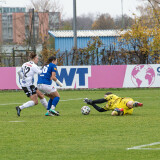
[[99, 109], [98, 101], [90, 102]]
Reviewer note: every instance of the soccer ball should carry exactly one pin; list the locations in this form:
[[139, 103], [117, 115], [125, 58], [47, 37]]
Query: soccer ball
[[85, 110]]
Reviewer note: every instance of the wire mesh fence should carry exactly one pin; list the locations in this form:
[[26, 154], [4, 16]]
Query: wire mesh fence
[[76, 57]]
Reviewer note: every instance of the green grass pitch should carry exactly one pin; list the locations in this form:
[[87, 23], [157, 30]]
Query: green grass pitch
[[73, 136]]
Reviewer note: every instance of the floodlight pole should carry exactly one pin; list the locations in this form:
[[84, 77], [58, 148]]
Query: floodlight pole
[[74, 24], [33, 24], [122, 14]]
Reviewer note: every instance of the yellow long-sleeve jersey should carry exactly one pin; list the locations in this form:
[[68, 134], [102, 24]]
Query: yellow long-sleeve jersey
[[113, 101]]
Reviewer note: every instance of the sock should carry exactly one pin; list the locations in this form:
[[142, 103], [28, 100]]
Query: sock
[[55, 101], [53, 107], [27, 104], [49, 104], [44, 102]]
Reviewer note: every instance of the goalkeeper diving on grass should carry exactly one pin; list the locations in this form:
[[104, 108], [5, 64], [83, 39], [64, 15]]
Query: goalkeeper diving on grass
[[119, 106]]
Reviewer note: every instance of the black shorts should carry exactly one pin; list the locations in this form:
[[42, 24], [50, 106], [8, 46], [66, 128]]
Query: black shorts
[[29, 91]]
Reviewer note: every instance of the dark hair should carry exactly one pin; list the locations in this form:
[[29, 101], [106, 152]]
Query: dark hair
[[50, 59], [32, 55], [108, 93]]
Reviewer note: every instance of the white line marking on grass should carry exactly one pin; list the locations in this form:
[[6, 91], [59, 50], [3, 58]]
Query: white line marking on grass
[[60, 100], [72, 99], [145, 145], [145, 97], [16, 121], [9, 104]]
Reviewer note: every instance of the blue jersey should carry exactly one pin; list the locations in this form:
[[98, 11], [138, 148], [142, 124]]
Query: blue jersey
[[45, 76]]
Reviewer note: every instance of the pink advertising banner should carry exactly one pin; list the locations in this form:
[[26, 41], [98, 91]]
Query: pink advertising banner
[[8, 78], [102, 76], [107, 76]]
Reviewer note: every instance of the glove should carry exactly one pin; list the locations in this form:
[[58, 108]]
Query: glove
[[88, 101], [120, 111]]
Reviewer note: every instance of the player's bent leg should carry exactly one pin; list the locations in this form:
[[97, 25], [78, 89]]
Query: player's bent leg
[[18, 110], [137, 104], [49, 104], [49, 107], [55, 95], [54, 112], [34, 98], [42, 98], [49, 114], [131, 104], [39, 94], [54, 98], [25, 105], [44, 102], [54, 104]]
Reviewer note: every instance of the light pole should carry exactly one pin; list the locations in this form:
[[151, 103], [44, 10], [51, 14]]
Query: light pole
[[74, 24], [122, 14]]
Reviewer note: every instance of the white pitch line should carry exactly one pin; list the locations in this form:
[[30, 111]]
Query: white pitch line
[[71, 99], [9, 104], [145, 145], [60, 100], [16, 121]]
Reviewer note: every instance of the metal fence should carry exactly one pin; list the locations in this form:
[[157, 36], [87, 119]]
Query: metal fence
[[16, 58], [96, 57], [103, 57]]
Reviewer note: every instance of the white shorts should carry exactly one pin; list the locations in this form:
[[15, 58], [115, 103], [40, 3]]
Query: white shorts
[[46, 89]]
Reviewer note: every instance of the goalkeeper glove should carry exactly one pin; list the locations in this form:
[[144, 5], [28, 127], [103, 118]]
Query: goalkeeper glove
[[88, 101], [120, 111]]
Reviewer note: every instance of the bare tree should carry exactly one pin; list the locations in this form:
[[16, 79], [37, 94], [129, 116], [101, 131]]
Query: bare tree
[[155, 7], [150, 10], [84, 22], [46, 5], [128, 21], [66, 24], [104, 21]]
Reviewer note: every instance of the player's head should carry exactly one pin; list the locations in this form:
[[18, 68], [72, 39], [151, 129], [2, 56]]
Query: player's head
[[52, 59], [33, 57], [108, 93]]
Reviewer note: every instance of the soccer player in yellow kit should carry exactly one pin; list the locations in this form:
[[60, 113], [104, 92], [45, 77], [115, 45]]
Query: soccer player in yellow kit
[[119, 105]]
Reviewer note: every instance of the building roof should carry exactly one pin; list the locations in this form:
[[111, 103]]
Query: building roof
[[87, 33]]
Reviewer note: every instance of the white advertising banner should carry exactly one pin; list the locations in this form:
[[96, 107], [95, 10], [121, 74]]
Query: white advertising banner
[[142, 76]]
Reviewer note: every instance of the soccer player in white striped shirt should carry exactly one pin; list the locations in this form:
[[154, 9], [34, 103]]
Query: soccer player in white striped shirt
[[26, 73]]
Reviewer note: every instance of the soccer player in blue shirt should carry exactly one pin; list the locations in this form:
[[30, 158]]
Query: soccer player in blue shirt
[[44, 84]]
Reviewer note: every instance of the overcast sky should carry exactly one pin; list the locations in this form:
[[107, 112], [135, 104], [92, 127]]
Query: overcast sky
[[113, 7]]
